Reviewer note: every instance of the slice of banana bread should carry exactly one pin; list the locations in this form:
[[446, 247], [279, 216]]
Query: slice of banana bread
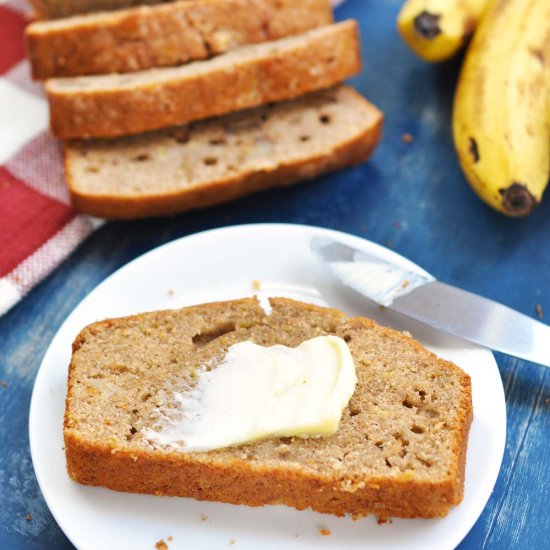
[[399, 451], [218, 160], [248, 76], [142, 38]]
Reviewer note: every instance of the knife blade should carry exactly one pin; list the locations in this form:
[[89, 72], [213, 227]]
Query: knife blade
[[420, 296]]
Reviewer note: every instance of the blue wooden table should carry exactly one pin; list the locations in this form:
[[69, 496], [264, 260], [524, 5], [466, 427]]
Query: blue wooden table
[[411, 197]]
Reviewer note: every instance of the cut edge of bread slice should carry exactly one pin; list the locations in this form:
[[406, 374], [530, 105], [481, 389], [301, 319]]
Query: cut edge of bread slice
[[248, 76], [400, 449], [145, 37], [218, 160]]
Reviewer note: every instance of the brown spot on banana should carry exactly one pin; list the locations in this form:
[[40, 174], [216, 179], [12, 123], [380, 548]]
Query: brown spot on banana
[[469, 28], [517, 200], [473, 149], [426, 24], [539, 54]]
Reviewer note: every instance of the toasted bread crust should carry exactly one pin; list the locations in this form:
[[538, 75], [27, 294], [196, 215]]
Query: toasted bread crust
[[164, 35], [236, 475], [243, 78], [53, 9]]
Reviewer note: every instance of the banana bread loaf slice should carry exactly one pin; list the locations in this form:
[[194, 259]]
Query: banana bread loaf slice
[[218, 160], [249, 76], [142, 38], [399, 450]]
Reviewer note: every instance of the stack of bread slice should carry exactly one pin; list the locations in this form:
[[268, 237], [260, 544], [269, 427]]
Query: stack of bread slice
[[164, 108]]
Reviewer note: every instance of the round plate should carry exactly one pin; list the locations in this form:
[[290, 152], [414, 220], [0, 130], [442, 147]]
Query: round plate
[[266, 260]]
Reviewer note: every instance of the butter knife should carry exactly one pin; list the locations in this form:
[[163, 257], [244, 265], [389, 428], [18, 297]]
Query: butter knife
[[444, 307]]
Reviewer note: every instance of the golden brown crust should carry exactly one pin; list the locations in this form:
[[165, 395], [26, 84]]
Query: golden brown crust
[[242, 483], [164, 35], [53, 9], [232, 478], [350, 151], [282, 70]]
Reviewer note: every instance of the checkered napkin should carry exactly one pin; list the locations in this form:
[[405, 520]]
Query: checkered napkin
[[38, 228]]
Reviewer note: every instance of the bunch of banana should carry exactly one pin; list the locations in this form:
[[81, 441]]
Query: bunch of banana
[[501, 114], [437, 29]]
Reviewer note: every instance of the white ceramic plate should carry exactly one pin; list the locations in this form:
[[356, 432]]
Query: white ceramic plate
[[229, 263]]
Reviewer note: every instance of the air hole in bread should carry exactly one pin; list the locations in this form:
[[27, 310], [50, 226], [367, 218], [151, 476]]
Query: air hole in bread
[[145, 397], [181, 135], [417, 429], [388, 463], [119, 369], [347, 338], [354, 410], [92, 169], [431, 413], [422, 394], [264, 117], [304, 138], [325, 119], [407, 403], [210, 161], [203, 338], [427, 463], [142, 157], [379, 444], [133, 430], [218, 141], [404, 442]]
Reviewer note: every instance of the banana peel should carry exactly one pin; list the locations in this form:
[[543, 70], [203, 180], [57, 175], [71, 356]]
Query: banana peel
[[436, 30], [501, 112]]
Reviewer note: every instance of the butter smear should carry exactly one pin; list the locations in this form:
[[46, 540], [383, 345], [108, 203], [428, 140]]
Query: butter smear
[[260, 392]]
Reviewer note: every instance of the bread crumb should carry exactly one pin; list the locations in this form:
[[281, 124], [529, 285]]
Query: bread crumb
[[161, 545], [407, 138], [382, 521], [232, 541], [256, 284], [538, 309], [204, 517], [28, 517], [170, 292], [325, 532], [4, 384], [170, 538]]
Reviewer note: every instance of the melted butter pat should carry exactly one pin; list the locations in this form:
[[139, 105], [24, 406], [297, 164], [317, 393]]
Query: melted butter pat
[[260, 392]]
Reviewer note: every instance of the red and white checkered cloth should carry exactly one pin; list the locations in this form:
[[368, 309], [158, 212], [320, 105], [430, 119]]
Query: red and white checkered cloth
[[38, 228]]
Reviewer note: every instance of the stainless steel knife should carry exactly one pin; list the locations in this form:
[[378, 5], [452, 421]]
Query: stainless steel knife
[[436, 304]]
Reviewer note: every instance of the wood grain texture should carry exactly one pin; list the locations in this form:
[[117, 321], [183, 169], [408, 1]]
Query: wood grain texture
[[411, 196]]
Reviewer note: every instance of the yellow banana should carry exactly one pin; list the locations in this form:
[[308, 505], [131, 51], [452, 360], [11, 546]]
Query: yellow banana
[[437, 29], [501, 113]]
